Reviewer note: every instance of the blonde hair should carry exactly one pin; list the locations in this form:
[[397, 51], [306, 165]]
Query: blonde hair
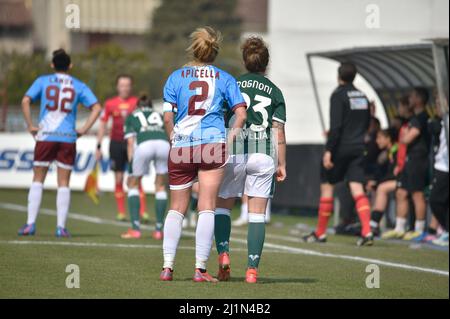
[[205, 44]]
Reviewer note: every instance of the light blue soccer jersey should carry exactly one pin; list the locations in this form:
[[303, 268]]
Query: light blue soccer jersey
[[60, 95], [197, 96]]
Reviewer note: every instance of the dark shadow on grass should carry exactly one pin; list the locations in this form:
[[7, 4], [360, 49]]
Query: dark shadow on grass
[[265, 281]]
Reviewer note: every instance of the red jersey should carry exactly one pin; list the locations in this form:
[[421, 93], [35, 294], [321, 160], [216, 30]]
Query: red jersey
[[118, 109]]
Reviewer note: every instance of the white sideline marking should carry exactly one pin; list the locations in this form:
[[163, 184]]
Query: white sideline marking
[[103, 245], [288, 249]]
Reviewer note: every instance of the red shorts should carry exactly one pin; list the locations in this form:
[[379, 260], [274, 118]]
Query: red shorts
[[186, 162], [63, 153]]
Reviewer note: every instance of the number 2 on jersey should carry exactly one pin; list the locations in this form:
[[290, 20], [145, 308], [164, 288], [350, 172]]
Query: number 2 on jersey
[[202, 97]]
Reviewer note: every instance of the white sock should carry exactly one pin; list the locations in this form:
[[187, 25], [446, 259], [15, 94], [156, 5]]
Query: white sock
[[204, 238], [34, 201], [268, 210], [244, 211], [62, 206], [173, 227], [400, 225], [420, 226]]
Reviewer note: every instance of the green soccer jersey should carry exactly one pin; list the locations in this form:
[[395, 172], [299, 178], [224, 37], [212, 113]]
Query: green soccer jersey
[[265, 104], [145, 124]]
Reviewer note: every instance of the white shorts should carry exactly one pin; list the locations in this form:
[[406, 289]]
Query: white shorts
[[146, 152], [250, 174]]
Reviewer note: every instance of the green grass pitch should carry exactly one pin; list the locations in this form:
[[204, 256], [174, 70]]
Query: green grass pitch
[[113, 268]]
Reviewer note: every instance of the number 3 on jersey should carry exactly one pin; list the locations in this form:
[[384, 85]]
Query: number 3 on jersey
[[261, 108]]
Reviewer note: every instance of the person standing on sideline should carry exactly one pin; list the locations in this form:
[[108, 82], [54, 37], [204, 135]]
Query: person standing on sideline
[[344, 155]]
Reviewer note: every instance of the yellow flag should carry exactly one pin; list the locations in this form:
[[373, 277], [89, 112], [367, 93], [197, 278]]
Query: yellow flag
[[91, 187]]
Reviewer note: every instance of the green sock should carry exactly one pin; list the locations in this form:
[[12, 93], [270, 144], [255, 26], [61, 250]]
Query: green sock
[[222, 230], [255, 238], [160, 208], [134, 207]]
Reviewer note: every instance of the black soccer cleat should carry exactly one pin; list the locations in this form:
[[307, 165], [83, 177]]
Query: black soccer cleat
[[366, 241], [313, 238]]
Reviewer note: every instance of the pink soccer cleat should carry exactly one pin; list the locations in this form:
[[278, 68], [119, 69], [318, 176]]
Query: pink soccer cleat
[[224, 267], [203, 277], [166, 274]]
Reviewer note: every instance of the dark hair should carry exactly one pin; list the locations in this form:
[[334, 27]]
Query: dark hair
[[124, 76], [61, 60], [390, 133], [423, 93], [347, 72], [144, 101], [256, 55]]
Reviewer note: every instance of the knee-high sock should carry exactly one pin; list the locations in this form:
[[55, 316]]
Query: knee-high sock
[[255, 238], [172, 232], [133, 207], [325, 212], [363, 209], [62, 205], [203, 238], [34, 201], [160, 209], [143, 201], [119, 194], [222, 230]]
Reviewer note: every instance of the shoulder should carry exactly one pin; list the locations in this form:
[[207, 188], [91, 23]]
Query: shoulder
[[111, 102], [223, 75]]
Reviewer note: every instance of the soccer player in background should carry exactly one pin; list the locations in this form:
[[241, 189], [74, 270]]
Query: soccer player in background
[[252, 170], [145, 128], [415, 176], [194, 96], [56, 135], [344, 155], [118, 108]]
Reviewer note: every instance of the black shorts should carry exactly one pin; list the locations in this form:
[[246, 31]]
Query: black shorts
[[415, 176], [118, 155], [348, 167], [439, 188]]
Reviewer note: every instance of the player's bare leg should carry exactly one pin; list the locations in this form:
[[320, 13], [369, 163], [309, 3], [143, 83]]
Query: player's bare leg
[[325, 212], [134, 232], [173, 226], [63, 201], [420, 208], [381, 203], [402, 203], [222, 232], [256, 235], [160, 205], [119, 194], [34, 201]]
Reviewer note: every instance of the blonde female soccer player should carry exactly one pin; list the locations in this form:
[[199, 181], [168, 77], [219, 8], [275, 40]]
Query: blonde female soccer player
[[194, 96]]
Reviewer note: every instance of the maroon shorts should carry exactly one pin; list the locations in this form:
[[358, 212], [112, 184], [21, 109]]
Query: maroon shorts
[[47, 152], [186, 162]]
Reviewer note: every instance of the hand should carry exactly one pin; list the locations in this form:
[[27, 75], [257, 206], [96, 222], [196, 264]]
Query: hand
[[327, 160], [81, 132], [396, 171], [98, 155], [33, 130], [281, 173]]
